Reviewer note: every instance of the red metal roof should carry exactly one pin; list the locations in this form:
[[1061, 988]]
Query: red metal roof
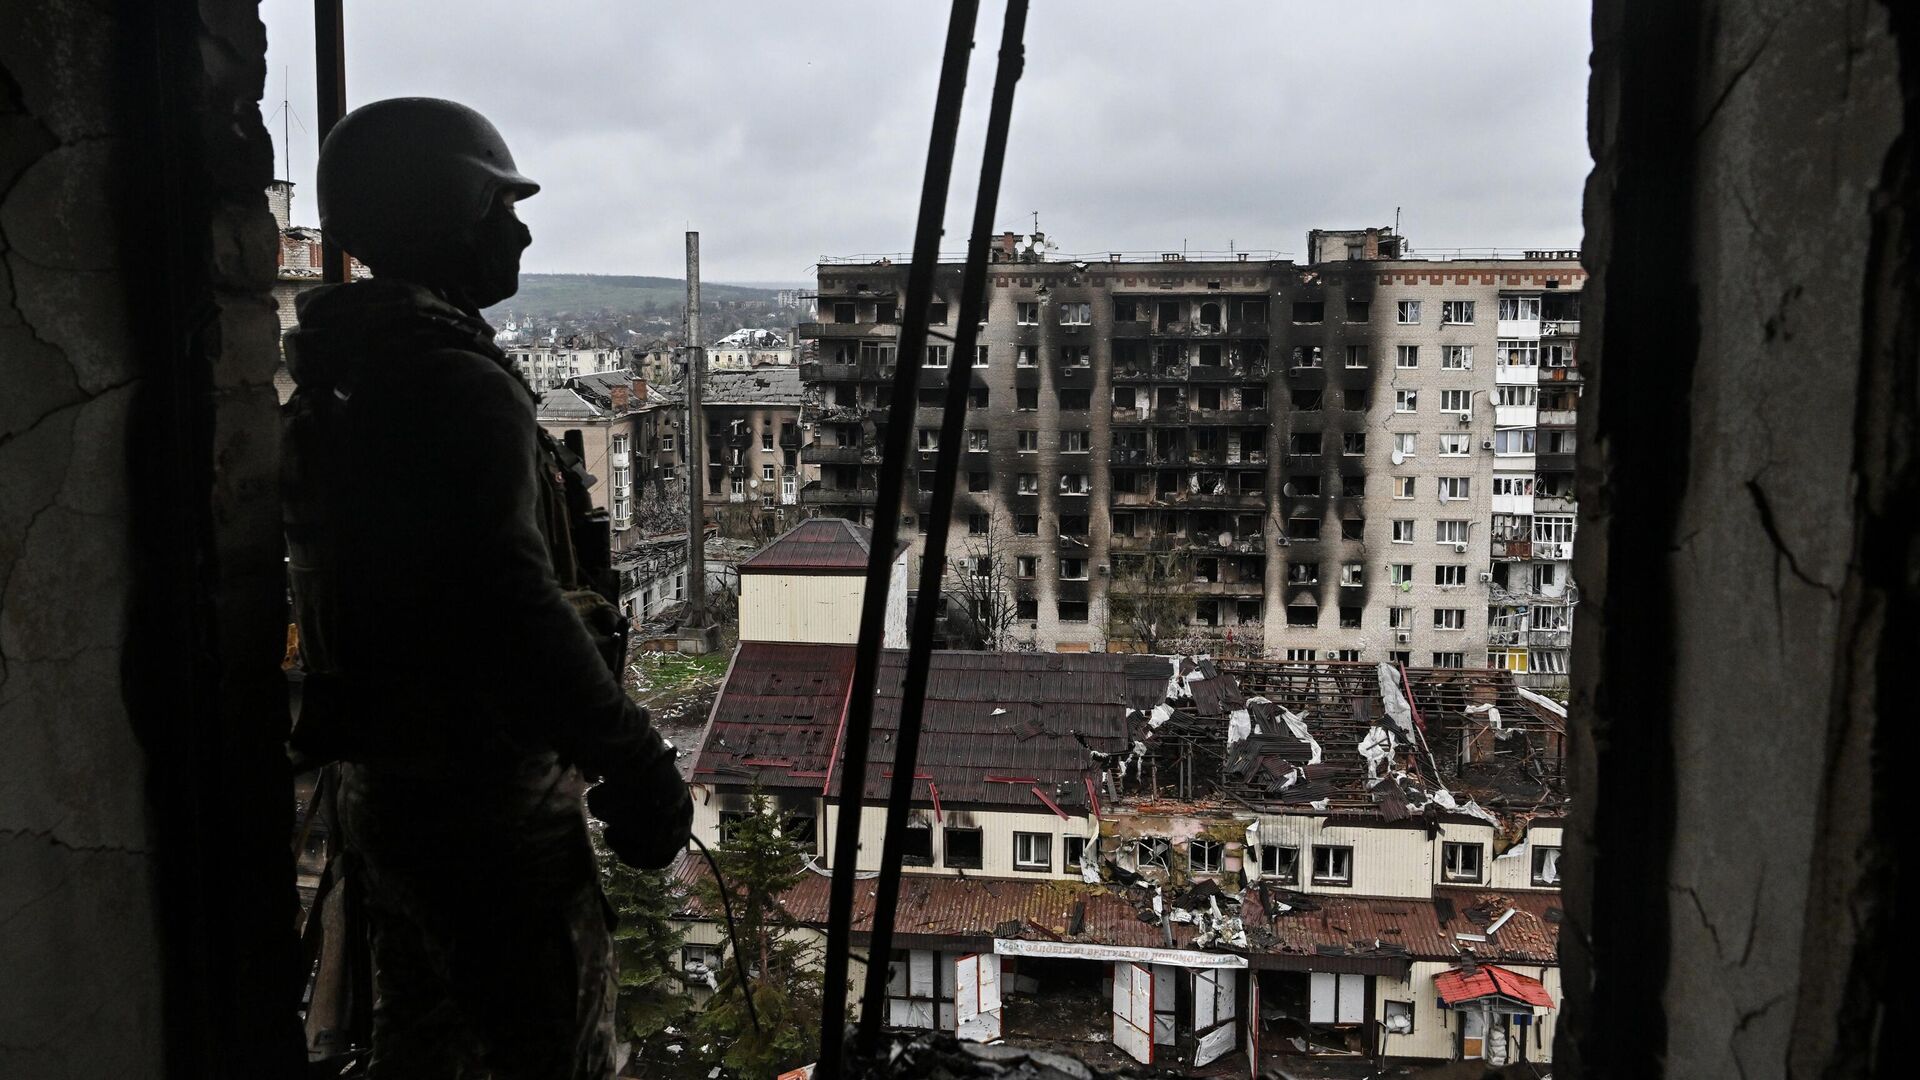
[[996, 724], [817, 544], [1333, 930], [1460, 985]]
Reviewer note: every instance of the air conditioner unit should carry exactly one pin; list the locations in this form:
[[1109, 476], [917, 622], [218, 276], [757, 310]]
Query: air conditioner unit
[[1486, 444], [1460, 549], [1402, 637], [1465, 419], [1486, 575]]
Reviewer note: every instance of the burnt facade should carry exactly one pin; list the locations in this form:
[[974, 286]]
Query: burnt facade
[[1336, 461]]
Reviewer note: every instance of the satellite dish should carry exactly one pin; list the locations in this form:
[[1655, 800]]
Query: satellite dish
[[1399, 458]]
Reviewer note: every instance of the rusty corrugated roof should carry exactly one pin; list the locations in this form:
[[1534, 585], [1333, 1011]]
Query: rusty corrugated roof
[[996, 725], [1404, 928], [818, 544]]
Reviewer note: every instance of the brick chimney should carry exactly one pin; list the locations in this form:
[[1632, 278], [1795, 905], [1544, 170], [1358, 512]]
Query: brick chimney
[[618, 396]]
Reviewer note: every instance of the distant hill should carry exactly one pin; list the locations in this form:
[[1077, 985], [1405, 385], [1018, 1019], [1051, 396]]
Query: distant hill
[[556, 294]]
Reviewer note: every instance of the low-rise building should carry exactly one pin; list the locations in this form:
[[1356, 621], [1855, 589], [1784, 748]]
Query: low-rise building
[[1204, 862]]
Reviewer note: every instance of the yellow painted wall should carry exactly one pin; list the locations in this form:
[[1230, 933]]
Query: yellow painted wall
[[1516, 871], [1435, 1029]]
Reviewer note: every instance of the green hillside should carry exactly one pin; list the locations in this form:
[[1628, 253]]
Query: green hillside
[[554, 294]]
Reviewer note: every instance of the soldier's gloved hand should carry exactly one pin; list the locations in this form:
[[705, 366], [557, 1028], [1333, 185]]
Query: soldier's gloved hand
[[606, 623], [648, 814]]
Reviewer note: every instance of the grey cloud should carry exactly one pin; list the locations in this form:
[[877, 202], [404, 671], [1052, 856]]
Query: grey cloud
[[788, 131]]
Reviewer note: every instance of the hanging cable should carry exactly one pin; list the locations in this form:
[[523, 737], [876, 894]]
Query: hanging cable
[[726, 905], [886, 530], [938, 518]]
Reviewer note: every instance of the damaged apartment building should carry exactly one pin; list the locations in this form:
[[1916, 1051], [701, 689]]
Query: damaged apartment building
[[1186, 862], [1367, 456]]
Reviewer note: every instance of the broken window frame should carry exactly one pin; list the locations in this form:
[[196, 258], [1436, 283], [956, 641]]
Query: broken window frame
[[1281, 863], [1406, 312], [1027, 312], [948, 859], [1545, 858], [1205, 856], [1463, 862]]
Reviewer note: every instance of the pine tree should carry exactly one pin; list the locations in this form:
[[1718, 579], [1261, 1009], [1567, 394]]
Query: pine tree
[[759, 861], [647, 946]]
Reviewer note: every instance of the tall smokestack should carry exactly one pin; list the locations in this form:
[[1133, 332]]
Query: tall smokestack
[[696, 445]]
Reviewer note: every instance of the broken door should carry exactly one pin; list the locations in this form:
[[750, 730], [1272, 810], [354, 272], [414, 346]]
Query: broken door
[[1165, 1001], [1133, 1010], [1215, 993], [1473, 1034], [1253, 1025], [976, 996]]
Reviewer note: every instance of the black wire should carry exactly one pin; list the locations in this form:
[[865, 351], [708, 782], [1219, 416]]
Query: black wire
[[726, 905]]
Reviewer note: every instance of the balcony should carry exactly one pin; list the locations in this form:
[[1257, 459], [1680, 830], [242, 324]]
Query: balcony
[[812, 495], [869, 331], [1136, 498], [1553, 504], [831, 455], [1237, 372], [1564, 418], [1128, 330], [1224, 588], [1559, 550], [1550, 639], [1570, 373], [1129, 457], [1553, 463], [1146, 543], [1512, 549], [1560, 328], [1234, 417]]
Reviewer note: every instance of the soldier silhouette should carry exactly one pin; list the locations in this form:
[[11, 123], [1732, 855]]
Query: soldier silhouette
[[459, 668]]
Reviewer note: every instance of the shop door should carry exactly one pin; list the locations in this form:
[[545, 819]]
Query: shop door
[[976, 996]]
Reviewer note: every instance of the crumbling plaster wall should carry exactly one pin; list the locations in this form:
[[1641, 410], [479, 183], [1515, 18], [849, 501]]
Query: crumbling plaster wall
[[145, 877], [1743, 536]]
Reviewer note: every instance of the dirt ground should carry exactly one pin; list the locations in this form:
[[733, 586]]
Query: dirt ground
[[678, 689]]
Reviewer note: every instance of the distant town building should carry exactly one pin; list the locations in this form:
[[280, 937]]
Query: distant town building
[[807, 586], [619, 419], [298, 264], [546, 365], [1365, 457], [754, 438], [749, 348]]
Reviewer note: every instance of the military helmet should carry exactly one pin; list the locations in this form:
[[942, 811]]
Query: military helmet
[[407, 170]]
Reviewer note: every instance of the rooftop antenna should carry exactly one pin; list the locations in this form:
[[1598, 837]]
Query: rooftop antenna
[[1396, 221]]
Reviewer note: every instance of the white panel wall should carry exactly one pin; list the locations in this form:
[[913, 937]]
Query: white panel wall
[[1515, 872], [997, 829], [1386, 862], [821, 609]]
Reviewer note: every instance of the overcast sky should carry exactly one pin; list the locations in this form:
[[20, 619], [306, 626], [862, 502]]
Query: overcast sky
[[787, 131]]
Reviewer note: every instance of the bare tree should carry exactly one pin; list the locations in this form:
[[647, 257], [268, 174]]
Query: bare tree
[[981, 588], [1148, 602]]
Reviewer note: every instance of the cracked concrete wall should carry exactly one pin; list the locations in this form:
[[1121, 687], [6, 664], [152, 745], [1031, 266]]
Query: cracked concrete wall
[[1726, 702], [145, 877]]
